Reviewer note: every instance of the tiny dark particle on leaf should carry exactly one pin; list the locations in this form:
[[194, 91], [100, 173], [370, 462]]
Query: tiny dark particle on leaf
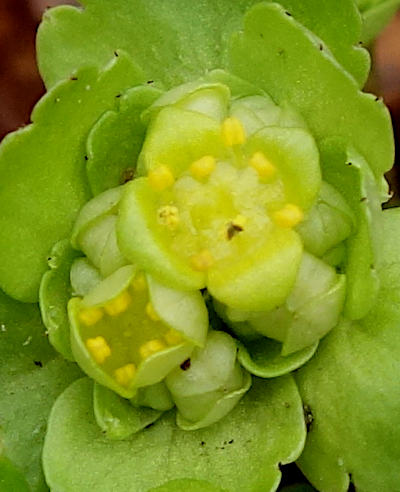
[[86, 158], [287, 404], [231, 441], [281, 52], [149, 425], [49, 258], [261, 35], [185, 365], [127, 175], [202, 443], [38, 363], [321, 47], [363, 199], [116, 53], [118, 95], [308, 417], [377, 98], [150, 81], [349, 163], [73, 78], [288, 13]]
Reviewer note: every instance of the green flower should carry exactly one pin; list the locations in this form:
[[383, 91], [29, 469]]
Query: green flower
[[195, 206]]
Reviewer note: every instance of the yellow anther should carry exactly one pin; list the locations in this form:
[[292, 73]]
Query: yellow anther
[[262, 165], [99, 349], [90, 316], [125, 374], [139, 283], [203, 261], [168, 215], [151, 347], [203, 167], [151, 312], [119, 304], [172, 337], [161, 178], [240, 221], [288, 216], [233, 132]]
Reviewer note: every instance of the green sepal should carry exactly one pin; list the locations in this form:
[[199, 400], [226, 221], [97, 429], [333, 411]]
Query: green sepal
[[155, 396], [258, 111], [262, 279], [222, 406], [263, 357], [308, 312], [315, 319], [116, 139], [54, 293], [178, 137], [210, 99], [265, 428], [267, 54], [294, 152], [116, 417], [84, 277], [358, 363], [94, 210], [50, 186], [32, 375], [351, 175], [209, 384], [142, 241], [329, 222], [110, 288], [185, 312]]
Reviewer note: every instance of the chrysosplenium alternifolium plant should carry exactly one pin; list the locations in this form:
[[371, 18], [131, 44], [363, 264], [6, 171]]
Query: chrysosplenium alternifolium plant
[[205, 182]]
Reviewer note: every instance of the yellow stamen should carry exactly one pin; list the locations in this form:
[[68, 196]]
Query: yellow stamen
[[151, 347], [262, 165], [90, 316], [233, 132], [161, 178], [125, 374], [139, 283], [168, 215], [203, 167], [203, 261], [99, 349], [119, 304], [151, 312], [288, 216], [172, 337]]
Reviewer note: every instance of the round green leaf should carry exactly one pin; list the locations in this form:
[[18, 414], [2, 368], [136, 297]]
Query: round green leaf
[[241, 453]]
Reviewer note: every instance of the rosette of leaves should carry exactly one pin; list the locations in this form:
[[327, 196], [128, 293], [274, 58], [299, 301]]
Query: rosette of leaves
[[183, 146]]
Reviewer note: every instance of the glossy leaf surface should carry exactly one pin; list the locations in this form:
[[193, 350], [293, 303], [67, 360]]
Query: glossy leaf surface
[[31, 378], [351, 390], [241, 452]]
